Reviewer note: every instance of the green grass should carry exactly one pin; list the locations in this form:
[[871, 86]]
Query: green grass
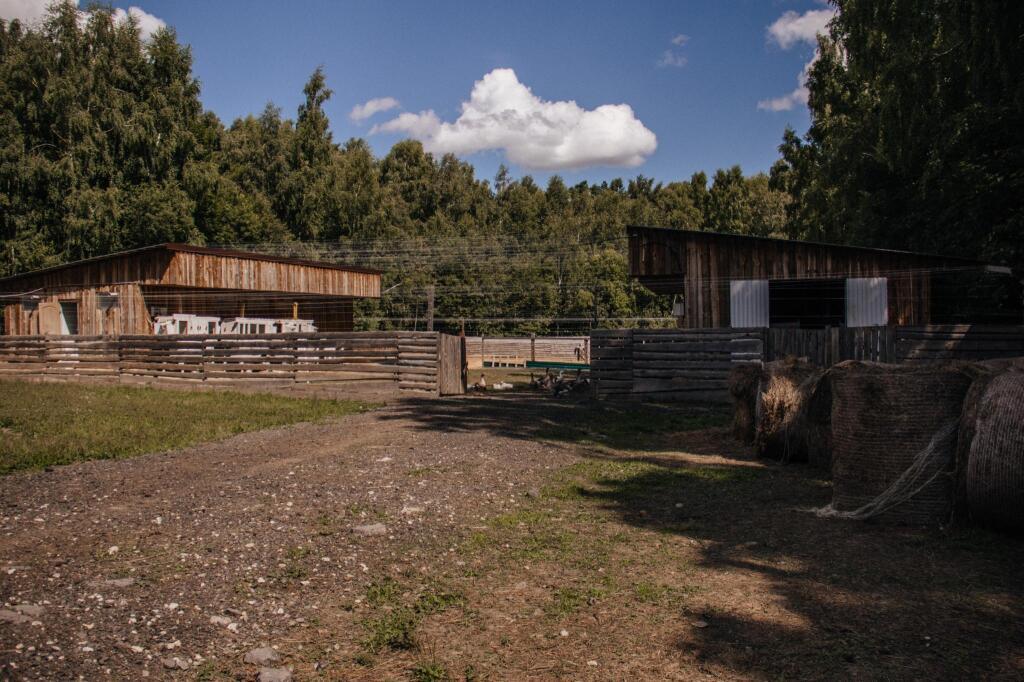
[[50, 424]]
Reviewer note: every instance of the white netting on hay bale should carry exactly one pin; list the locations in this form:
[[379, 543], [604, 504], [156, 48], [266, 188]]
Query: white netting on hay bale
[[894, 438]]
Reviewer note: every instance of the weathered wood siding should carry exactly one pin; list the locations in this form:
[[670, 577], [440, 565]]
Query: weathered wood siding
[[129, 316], [202, 270], [408, 360], [191, 281], [700, 265]]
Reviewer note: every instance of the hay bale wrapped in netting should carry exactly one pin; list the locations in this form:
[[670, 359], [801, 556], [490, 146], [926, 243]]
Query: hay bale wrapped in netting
[[894, 437], [783, 427], [985, 371], [993, 437], [743, 384]]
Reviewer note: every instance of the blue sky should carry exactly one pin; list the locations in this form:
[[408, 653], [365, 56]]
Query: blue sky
[[700, 100]]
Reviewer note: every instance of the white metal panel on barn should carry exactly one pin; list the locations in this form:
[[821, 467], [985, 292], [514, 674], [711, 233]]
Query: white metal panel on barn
[[748, 303], [867, 301]]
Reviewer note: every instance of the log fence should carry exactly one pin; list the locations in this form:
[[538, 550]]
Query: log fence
[[694, 364]]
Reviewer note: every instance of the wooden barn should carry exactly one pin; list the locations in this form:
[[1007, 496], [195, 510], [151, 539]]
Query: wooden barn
[[727, 280], [124, 293]]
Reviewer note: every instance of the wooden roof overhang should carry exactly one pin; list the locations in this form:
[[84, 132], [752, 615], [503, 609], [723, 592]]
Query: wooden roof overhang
[[661, 258], [197, 267]]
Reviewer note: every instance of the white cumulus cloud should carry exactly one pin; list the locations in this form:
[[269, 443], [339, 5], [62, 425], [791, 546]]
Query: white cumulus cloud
[[361, 112], [503, 114], [792, 27], [789, 30], [147, 23], [32, 11]]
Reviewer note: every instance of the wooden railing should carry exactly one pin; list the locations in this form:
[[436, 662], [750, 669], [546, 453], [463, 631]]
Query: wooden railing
[[570, 349], [411, 360]]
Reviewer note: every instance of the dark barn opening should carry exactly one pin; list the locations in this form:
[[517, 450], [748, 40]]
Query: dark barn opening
[[807, 303]]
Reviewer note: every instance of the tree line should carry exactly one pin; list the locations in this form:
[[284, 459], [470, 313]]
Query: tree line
[[105, 146]]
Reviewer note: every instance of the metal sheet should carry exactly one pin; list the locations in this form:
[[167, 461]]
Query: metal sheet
[[867, 301], [748, 303]]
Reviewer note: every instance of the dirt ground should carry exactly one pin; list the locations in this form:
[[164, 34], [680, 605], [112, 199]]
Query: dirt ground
[[507, 537]]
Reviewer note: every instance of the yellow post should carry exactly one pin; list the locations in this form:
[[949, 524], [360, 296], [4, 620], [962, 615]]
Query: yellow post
[[295, 310]]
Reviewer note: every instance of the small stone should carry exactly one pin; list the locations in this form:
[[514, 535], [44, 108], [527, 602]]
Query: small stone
[[262, 655], [220, 620], [120, 582], [564, 633], [32, 610], [9, 616], [412, 510], [700, 624], [592, 664], [275, 675], [175, 663], [112, 550], [371, 529]]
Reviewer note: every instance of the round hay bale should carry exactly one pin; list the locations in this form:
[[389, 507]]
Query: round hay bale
[[743, 382], [891, 420], [816, 423], [995, 464], [783, 394]]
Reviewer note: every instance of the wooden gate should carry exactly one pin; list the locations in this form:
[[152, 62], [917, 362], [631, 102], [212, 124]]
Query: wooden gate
[[451, 364]]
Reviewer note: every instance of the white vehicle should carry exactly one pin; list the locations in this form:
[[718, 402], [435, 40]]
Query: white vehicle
[[292, 326], [182, 323], [249, 325]]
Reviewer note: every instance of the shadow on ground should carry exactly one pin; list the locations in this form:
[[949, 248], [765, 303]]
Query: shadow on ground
[[861, 600]]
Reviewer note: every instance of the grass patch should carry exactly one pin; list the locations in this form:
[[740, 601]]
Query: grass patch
[[395, 630], [429, 672], [52, 424], [567, 600], [393, 625]]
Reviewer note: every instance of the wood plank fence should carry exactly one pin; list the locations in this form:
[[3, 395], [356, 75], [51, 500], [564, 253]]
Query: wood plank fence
[[409, 360], [678, 364], [538, 348]]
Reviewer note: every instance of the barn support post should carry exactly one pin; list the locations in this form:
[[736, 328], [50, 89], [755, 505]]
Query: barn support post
[[430, 308]]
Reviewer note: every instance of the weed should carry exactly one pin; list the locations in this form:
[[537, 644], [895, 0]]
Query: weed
[[437, 599], [394, 630], [429, 672], [384, 592], [570, 599], [650, 593]]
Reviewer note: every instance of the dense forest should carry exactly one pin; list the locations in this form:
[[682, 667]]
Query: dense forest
[[916, 142]]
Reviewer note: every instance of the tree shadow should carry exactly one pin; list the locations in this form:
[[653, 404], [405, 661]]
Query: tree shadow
[[599, 425], [848, 599], [824, 598]]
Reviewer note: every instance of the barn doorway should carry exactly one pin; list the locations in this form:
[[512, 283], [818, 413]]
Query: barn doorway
[[807, 303], [69, 317]]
